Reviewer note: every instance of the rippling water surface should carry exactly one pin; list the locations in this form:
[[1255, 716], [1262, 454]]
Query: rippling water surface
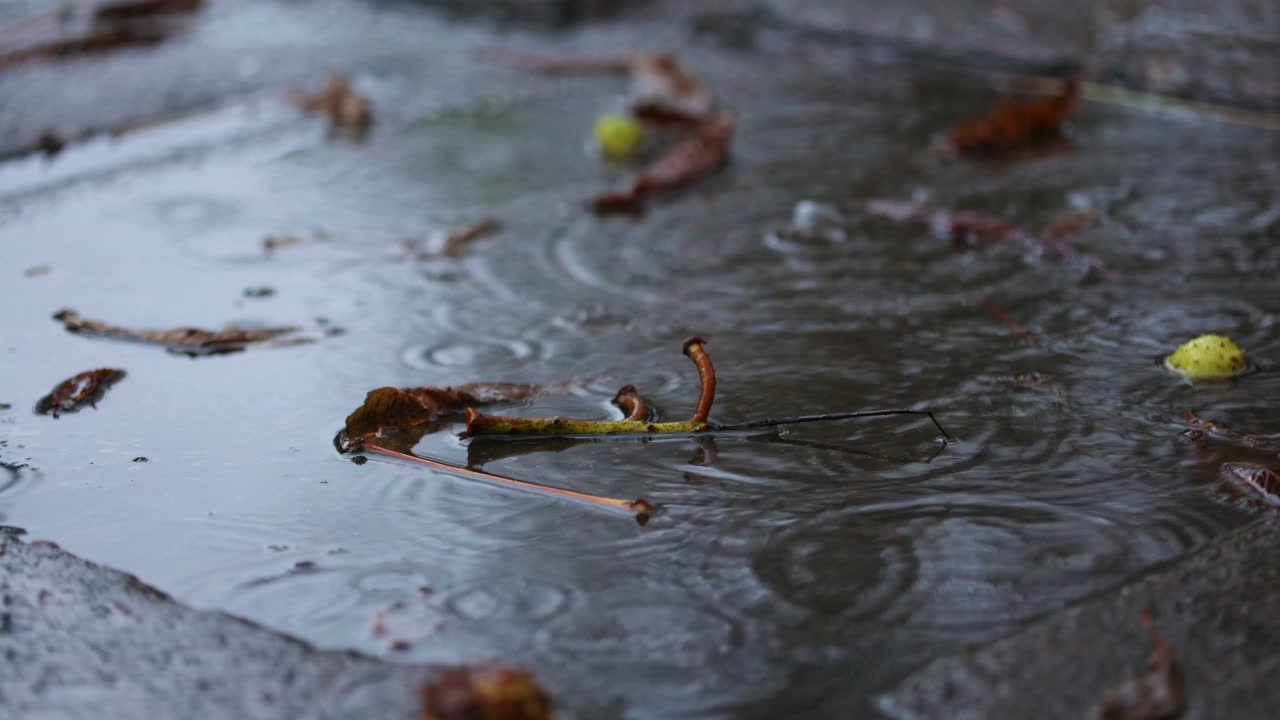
[[802, 570]]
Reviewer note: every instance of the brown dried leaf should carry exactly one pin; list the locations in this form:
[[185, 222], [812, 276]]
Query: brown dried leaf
[[345, 109], [1157, 694], [83, 389], [1015, 123], [389, 409], [183, 340], [485, 692], [1256, 482], [664, 91], [693, 158], [1201, 429]]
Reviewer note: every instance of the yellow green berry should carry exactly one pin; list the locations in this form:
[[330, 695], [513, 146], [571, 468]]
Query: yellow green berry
[[618, 135], [1207, 357]]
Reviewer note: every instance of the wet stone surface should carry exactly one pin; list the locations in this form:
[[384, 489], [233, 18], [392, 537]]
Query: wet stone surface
[[1214, 607], [83, 641], [804, 572]]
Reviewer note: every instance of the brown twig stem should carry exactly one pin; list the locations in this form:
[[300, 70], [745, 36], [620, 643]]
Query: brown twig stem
[[640, 507]]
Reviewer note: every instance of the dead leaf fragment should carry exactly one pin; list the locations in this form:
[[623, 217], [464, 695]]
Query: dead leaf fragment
[[183, 340], [338, 101], [1201, 429], [1015, 123], [452, 243], [485, 692], [1256, 482], [1157, 694], [663, 91], [389, 409], [83, 389], [699, 155], [1068, 223]]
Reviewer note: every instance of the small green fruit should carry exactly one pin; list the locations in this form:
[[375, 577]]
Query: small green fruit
[[1207, 357], [618, 135]]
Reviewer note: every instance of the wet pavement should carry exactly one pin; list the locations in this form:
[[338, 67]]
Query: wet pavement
[[807, 572]]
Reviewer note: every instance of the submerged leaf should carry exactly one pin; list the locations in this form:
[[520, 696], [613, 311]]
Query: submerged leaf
[[1157, 694], [699, 155], [83, 389], [1015, 123], [183, 340]]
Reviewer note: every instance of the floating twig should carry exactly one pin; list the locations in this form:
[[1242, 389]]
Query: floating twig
[[480, 424], [641, 508], [947, 438], [496, 425], [456, 241]]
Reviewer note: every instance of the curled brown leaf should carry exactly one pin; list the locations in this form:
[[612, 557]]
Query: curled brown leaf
[[83, 389]]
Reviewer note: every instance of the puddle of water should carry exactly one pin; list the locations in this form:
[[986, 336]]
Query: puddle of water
[[803, 571]]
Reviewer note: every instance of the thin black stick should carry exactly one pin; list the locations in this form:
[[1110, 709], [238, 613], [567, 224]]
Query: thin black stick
[[771, 422]]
